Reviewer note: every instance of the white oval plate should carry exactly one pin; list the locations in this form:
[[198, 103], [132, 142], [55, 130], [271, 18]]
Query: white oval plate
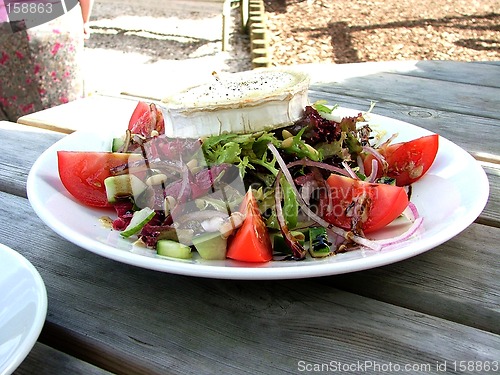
[[23, 308], [444, 197]]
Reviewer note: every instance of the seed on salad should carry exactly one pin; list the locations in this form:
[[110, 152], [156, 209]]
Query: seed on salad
[[286, 134], [168, 204], [156, 179], [231, 224], [416, 172], [288, 142], [311, 149]]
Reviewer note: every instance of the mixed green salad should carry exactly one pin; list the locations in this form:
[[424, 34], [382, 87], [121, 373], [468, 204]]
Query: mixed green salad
[[313, 189]]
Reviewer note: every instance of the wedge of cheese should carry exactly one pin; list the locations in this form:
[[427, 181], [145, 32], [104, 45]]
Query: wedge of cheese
[[242, 102]]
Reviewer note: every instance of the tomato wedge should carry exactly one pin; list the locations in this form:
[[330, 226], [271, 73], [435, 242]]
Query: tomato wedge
[[251, 243], [82, 174], [146, 118], [407, 161], [358, 205], [140, 109]]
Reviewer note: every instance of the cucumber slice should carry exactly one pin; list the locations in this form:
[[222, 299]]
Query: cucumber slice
[[211, 246], [139, 220], [173, 249], [319, 246], [117, 143], [123, 186]]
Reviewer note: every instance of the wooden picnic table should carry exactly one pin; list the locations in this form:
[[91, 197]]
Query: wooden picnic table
[[436, 312]]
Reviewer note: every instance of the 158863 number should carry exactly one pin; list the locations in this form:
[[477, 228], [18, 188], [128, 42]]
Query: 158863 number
[[28, 8], [476, 366]]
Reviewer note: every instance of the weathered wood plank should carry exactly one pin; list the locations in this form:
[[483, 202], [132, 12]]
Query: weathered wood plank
[[420, 92], [473, 73], [20, 148], [46, 360], [457, 71], [466, 89], [497, 63], [453, 281], [181, 323], [87, 114], [490, 215]]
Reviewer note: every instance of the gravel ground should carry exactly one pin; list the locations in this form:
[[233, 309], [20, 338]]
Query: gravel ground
[[347, 31], [145, 47]]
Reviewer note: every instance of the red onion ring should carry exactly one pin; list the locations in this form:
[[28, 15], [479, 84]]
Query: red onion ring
[[373, 175]]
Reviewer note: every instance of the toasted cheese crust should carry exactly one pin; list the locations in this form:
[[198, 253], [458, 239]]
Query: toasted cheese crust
[[237, 103]]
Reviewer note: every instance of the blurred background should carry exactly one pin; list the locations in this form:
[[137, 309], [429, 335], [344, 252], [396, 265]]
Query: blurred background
[[164, 44]]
